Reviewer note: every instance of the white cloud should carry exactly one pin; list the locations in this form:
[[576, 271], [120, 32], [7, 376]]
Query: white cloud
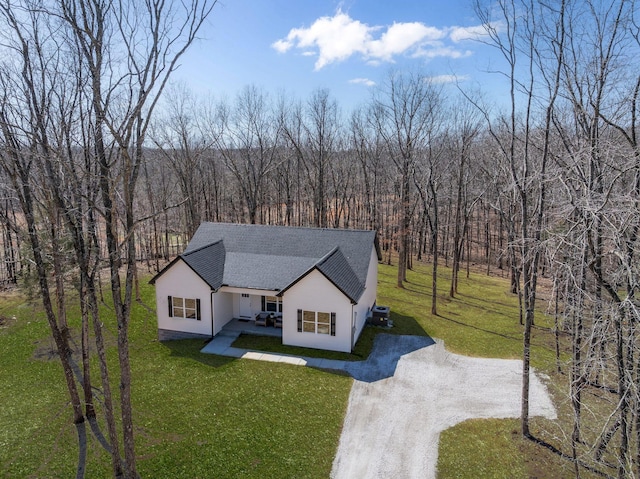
[[436, 50], [401, 37], [282, 46], [339, 37], [440, 79], [459, 34], [336, 38], [362, 81]]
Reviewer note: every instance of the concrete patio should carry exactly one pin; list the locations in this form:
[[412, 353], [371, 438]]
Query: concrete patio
[[244, 326]]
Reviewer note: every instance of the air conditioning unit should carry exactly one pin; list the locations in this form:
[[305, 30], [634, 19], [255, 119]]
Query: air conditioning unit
[[379, 316]]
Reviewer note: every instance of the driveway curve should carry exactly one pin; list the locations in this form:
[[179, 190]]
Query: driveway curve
[[408, 391]]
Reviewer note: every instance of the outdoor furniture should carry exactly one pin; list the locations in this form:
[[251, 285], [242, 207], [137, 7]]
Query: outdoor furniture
[[277, 320], [262, 319]]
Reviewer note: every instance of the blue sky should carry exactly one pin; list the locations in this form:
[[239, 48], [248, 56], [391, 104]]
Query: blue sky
[[345, 46]]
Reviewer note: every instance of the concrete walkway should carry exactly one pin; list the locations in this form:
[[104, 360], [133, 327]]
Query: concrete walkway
[[221, 345]]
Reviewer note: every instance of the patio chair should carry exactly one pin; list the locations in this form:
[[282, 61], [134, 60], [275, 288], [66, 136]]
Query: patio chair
[[261, 319], [277, 321]]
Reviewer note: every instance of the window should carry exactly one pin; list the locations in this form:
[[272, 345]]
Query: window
[[271, 303], [309, 321], [184, 308], [316, 322], [323, 323]]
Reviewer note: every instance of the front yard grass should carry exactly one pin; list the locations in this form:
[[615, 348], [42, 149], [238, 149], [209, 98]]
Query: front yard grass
[[196, 415], [206, 416]]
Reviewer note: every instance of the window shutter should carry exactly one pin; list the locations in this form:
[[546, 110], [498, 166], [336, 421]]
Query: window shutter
[[333, 324], [170, 307], [198, 317], [264, 304], [299, 320]]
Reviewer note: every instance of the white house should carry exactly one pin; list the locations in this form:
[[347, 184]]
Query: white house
[[319, 285]]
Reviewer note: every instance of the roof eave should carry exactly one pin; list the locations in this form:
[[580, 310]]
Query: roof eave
[[214, 288]]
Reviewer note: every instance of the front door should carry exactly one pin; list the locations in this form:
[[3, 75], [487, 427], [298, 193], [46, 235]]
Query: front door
[[245, 306]]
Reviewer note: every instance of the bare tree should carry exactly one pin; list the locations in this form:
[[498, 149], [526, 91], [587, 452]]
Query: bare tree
[[599, 174], [37, 122], [311, 130], [524, 25], [76, 97], [406, 107], [180, 134], [368, 148], [123, 96], [465, 127], [247, 135]]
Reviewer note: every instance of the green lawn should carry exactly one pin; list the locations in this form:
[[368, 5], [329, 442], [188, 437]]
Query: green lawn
[[205, 416], [482, 320], [195, 415]]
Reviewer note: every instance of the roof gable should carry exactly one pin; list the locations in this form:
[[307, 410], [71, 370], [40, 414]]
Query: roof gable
[[335, 267], [208, 262]]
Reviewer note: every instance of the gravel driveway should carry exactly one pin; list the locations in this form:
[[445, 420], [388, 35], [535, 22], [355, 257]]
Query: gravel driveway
[[408, 391]]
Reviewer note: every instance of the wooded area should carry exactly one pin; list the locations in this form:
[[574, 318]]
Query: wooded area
[[99, 171]]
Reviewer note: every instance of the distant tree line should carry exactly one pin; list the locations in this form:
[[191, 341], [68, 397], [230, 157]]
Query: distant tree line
[[286, 161]]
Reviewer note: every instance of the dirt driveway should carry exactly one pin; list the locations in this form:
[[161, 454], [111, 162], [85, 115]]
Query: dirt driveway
[[408, 391]]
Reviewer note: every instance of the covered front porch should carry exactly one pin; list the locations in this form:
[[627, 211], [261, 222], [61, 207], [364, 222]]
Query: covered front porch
[[244, 326], [245, 310]]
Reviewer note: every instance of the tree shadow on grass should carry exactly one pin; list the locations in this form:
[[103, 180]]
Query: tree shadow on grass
[[568, 457], [477, 328], [403, 324], [190, 348], [415, 290], [476, 302]]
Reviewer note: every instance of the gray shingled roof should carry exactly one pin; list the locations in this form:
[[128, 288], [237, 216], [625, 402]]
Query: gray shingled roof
[[263, 271], [208, 262], [275, 257], [336, 267]]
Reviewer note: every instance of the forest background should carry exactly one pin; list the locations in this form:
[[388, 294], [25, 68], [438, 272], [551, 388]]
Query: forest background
[[107, 166]]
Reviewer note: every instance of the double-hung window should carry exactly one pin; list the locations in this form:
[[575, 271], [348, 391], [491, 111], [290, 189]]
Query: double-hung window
[[317, 322], [188, 308]]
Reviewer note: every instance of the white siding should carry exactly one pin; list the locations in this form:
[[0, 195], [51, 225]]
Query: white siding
[[182, 282], [368, 298], [222, 310], [315, 292]]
